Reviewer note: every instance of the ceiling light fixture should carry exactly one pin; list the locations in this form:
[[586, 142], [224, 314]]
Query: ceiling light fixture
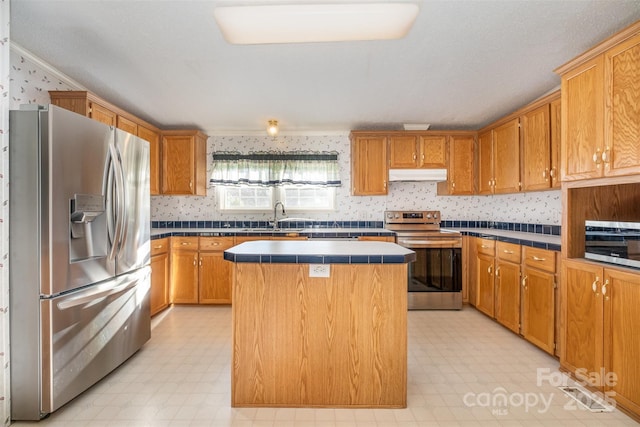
[[272, 129], [305, 23]]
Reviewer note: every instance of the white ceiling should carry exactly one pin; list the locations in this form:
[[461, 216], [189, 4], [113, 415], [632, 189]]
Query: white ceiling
[[462, 65]]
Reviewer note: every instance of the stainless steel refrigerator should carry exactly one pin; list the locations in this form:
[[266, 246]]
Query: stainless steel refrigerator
[[79, 255]]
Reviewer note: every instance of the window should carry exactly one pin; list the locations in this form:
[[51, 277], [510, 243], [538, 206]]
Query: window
[[303, 181], [295, 198]]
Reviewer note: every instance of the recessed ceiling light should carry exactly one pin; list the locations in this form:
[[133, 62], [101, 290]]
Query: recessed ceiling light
[[305, 23]]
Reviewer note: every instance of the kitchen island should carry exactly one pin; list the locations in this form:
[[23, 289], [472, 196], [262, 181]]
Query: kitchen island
[[319, 324]]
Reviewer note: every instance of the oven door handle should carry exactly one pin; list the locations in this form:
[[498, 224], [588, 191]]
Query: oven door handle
[[419, 244]]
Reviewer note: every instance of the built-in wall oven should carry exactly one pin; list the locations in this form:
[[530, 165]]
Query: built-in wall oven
[[435, 278]]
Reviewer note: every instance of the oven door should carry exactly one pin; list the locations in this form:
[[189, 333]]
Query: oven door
[[435, 277]]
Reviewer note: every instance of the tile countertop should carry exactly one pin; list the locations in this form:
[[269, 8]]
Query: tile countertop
[[319, 252], [308, 232], [543, 241]]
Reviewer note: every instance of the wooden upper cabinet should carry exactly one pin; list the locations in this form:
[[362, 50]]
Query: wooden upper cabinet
[[620, 154], [536, 149], [127, 125], [582, 121], [460, 174], [369, 172], [555, 112], [102, 114], [184, 162], [432, 151], [485, 162], [417, 151], [601, 109], [403, 152], [506, 157], [154, 157]]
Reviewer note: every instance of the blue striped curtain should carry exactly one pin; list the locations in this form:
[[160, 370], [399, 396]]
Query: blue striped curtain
[[276, 168]]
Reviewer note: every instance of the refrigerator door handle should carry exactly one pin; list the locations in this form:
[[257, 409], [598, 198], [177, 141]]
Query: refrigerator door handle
[[117, 184], [92, 297], [124, 212]]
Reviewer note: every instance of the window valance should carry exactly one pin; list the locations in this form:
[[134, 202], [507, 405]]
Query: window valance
[[276, 168]]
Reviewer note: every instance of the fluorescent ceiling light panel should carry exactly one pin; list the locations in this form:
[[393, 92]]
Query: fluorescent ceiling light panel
[[306, 23]]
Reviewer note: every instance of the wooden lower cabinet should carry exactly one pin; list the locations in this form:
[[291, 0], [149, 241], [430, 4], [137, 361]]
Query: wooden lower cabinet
[[518, 287], [159, 294], [485, 284], [214, 272], [484, 276], [507, 290], [539, 289], [601, 329], [199, 273], [184, 270]]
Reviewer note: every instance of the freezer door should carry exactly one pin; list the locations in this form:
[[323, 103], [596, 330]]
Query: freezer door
[[134, 242], [88, 333]]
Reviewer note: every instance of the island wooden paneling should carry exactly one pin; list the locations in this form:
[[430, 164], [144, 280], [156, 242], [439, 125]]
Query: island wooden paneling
[[301, 341]]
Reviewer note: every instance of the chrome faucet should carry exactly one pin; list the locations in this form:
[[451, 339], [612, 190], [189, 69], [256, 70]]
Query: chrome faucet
[[275, 213]]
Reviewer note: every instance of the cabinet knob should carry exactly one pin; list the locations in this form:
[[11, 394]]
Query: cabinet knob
[[594, 286], [185, 243], [498, 272], [552, 172], [597, 157], [490, 269], [604, 287], [524, 282], [535, 258], [606, 157]]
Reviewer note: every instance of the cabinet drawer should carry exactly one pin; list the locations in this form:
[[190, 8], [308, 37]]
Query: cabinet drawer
[[159, 246], [180, 242], [539, 258], [508, 252], [215, 243], [486, 246]]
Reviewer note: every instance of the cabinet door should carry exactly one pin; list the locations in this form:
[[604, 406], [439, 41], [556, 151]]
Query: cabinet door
[[621, 292], [621, 155], [99, 113], [403, 152], [127, 125], [215, 278], [506, 157], [178, 168], [582, 346], [556, 129], [461, 170], [485, 163], [159, 298], [538, 308], [433, 152], [369, 173], [582, 121], [154, 157], [484, 280], [507, 288], [536, 149], [184, 277]]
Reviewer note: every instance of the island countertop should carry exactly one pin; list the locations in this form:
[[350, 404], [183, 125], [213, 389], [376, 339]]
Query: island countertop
[[319, 252]]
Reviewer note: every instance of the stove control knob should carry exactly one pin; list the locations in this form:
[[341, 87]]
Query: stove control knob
[[435, 215], [429, 216], [389, 215], [397, 216]]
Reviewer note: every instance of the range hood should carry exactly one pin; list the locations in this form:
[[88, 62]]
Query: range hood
[[434, 175]]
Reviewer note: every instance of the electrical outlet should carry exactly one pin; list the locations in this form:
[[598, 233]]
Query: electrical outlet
[[319, 270]]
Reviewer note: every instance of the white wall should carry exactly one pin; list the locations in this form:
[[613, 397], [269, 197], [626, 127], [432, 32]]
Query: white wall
[[5, 96], [32, 78]]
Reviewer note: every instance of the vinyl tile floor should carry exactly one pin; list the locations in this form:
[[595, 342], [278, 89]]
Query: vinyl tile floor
[[464, 369]]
